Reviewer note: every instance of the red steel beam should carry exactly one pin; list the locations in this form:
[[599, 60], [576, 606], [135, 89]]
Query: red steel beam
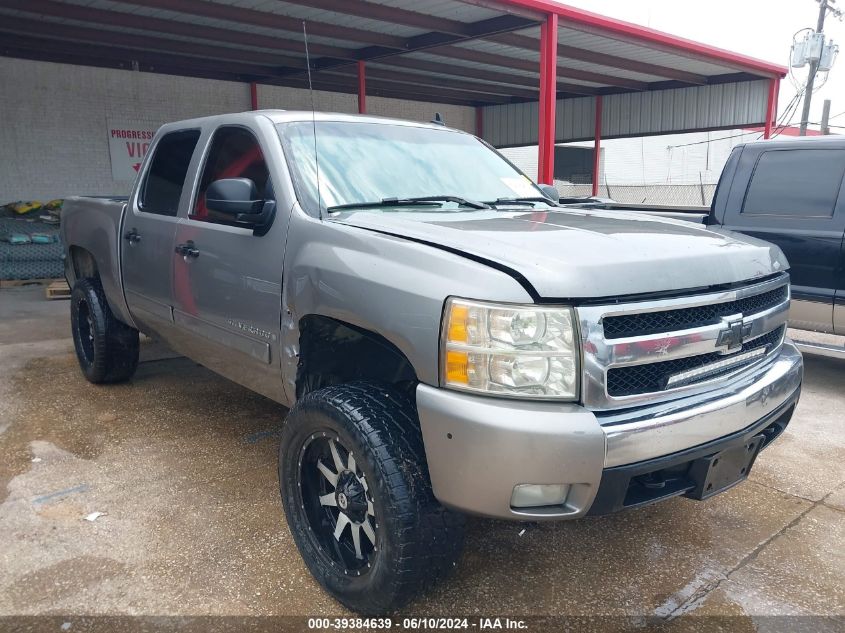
[[597, 147], [651, 38], [771, 107], [253, 95], [362, 87], [548, 100]]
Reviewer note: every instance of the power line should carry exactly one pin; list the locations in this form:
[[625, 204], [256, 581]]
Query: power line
[[713, 140]]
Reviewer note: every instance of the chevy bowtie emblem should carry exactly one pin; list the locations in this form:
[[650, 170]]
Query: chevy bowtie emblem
[[733, 334]]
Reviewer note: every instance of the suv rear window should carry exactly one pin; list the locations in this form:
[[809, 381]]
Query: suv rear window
[[795, 182], [166, 176]]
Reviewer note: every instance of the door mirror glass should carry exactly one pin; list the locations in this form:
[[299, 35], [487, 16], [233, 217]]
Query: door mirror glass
[[233, 196]]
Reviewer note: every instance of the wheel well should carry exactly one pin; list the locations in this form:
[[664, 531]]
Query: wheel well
[[333, 352], [83, 262]]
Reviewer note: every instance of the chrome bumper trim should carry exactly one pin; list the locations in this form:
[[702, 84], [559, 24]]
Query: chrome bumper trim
[[671, 427]]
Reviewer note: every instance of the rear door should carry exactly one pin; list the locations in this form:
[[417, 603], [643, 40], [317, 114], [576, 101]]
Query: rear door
[[149, 228], [228, 296], [795, 200]]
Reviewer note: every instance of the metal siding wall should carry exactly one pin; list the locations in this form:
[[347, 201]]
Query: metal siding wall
[[575, 117], [634, 113]]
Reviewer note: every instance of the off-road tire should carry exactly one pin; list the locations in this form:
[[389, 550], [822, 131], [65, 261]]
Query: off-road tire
[[418, 541], [107, 349]]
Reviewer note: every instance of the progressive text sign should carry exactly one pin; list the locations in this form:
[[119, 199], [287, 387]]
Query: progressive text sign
[[128, 144]]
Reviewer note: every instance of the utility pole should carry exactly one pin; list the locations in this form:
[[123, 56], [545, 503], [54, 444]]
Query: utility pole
[[814, 67], [826, 117]]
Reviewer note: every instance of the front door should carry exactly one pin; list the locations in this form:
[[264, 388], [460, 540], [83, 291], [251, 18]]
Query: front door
[[149, 228], [228, 290]]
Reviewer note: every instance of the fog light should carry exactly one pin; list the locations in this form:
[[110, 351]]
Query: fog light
[[537, 495]]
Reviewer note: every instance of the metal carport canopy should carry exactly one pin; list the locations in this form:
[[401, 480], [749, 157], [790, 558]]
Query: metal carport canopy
[[535, 70]]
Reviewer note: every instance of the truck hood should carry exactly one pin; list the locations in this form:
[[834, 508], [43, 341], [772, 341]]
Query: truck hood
[[583, 253]]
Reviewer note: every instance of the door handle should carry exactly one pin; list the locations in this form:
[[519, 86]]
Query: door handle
[[132, 236], [188, 249]]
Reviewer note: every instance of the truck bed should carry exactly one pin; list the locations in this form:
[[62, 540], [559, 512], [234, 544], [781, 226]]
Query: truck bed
[[92, 225]]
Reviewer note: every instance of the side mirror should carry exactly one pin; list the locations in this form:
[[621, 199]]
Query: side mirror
[[239, 197], [550, 192], [233, 196]]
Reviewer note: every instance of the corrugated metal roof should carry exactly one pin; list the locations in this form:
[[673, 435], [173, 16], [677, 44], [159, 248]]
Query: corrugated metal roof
[[526, 54], [480, 42], [619, 48], [460, 11]]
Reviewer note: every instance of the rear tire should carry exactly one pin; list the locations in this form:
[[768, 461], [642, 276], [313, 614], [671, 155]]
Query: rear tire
[[107, 349], [356, 450]]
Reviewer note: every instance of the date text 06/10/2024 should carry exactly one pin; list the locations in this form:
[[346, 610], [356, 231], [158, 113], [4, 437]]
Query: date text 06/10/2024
[[352, 624]]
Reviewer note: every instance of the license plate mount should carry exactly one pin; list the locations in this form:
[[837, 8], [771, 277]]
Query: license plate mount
[[716, 473]]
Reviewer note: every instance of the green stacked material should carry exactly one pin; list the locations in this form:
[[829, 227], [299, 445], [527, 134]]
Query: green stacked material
[[29, 249]]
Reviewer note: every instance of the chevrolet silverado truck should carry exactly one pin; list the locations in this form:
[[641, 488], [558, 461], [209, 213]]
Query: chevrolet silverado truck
[[448, 339]]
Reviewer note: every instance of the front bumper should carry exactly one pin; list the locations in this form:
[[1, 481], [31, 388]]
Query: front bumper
[[479, 448]]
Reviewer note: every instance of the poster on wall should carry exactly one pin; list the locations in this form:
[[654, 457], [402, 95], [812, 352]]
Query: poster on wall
[[128, 144]]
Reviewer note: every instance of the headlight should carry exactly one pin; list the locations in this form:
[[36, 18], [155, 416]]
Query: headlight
[[519, 351]]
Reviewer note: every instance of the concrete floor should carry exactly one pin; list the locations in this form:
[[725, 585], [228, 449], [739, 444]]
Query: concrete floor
[[183, 464]]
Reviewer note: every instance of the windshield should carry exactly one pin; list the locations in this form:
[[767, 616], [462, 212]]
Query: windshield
[[371, 162]]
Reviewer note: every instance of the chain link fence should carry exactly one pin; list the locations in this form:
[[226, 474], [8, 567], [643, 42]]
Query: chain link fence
[[663, 195]]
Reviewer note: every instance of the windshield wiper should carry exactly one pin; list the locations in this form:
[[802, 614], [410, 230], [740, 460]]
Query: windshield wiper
[[400, 202], [527, 201]]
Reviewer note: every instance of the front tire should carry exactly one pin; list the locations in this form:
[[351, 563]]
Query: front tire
[[107, 349], [358, 499]]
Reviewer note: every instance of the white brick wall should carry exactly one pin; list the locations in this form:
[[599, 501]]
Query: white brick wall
[[54, 118]]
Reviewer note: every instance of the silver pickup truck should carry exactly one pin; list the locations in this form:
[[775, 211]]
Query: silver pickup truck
[[448, 339]]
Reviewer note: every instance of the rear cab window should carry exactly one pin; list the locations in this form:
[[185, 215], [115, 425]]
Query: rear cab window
[[165, 178], [799, 183]]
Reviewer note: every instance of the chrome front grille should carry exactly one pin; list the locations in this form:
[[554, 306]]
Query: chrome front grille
[[685, 318], [646, 351], [636, 379]]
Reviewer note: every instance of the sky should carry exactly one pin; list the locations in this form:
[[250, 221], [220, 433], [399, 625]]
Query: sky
[[759, 28]]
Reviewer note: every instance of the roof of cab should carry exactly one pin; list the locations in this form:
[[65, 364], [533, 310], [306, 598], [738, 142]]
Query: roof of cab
[[290, 116], [835, 140]]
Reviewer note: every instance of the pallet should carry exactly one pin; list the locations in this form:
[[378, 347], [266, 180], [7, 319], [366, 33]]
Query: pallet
[[58, 290], [17, 283]]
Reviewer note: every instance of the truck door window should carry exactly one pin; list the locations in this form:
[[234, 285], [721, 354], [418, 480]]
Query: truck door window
[[166, 176], [797, 183], [234, 153]]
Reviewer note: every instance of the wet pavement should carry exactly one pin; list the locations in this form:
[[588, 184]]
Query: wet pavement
[[182, 464]]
